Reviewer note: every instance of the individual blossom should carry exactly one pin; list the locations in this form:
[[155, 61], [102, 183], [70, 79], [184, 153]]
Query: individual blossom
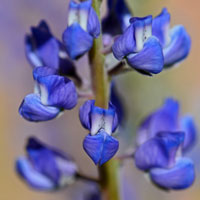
[[142, 51], [176, 41], [83, 27], [43, 49], [99, 144], [45, 168], [162, 140], [53, 94]]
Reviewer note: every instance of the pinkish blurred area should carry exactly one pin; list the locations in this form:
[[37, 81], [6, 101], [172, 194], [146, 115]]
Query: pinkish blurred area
[[141, 95]]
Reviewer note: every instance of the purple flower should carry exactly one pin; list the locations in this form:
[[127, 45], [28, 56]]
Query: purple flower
[[176, 42], [83, 27], [45, 168], [99, 143], [53, 94], [162, 139], [142, 51]]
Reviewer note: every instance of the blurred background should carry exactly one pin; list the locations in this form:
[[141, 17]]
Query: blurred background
[[140, 94]]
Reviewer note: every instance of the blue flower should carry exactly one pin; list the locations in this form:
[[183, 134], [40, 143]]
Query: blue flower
[[83, 27], [176, 42], [142, 51], [99, 144], [43, 49], [45, 168], [166, 118], [162, 139], [53, 94]]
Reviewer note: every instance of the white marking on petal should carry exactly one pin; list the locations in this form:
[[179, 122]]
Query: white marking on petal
[[44, 95], [83, 19], [34, 59], [73, 16], [139, 33], [97, 121]]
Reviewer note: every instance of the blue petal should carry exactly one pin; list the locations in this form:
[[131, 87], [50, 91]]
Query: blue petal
[[179, 46], [93, 26], [58, 91], [180, 176], [110, 147], [100, 147], [31, 55], [77, 41], [33, 177], [160, 26], [84, 113], [43, 161], [188, 126], [163, 119], [48, 53], [149, 59], [51, 162], [43, 71], [124, 44], [44, 45], [159, 151], [33, 110]]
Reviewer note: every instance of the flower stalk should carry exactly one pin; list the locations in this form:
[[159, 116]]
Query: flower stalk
[[100, 82]]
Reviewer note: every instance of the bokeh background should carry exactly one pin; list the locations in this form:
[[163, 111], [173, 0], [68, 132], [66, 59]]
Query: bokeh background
[[140, 94]]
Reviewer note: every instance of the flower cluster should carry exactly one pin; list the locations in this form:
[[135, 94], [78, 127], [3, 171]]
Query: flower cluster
[[53, 91], [162, 140], [148, 45]]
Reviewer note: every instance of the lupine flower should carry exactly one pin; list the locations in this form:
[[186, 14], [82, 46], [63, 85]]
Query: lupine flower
[[43, 49], [45, 168], [99, 143], [162, 138], [176, 42], [118, 14], [53, 94], [83, 27], [142, 51]]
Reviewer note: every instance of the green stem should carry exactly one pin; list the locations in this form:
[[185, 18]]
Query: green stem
[[108, 173]]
